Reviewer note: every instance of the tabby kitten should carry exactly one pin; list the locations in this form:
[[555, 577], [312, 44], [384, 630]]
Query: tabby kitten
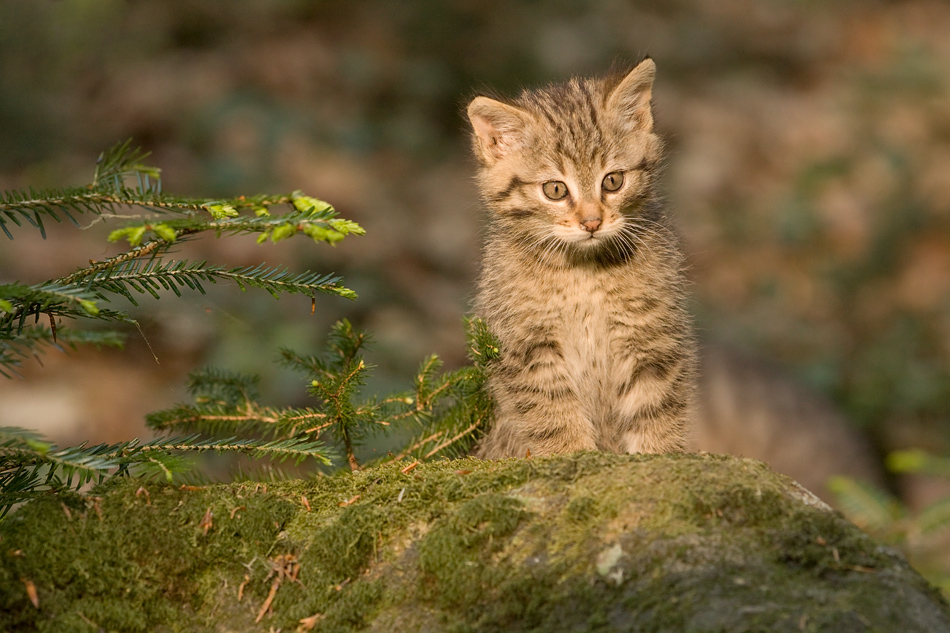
[[581, 278]]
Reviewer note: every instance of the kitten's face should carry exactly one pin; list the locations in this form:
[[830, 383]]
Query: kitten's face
[[566, 169]]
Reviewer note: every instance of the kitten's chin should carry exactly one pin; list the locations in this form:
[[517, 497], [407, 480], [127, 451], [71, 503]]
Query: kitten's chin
[[580, 239], [590, 242], [584, 240], [601, 248]]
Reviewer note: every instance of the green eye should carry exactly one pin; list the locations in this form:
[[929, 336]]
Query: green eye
[[612, 181], [554, 189]]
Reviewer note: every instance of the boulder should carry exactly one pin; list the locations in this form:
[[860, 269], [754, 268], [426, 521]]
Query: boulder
[[587, 542]]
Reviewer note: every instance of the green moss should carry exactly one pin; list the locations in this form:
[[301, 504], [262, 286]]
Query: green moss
[[589, 542], [581, 509], [340, 550], [456, 555]]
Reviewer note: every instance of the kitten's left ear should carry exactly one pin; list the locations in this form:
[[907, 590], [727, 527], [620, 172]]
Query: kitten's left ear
[[631, 97]]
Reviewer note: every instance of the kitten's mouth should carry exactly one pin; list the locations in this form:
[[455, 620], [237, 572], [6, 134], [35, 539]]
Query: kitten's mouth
[[591, 238], [589, 243], [585, 239]]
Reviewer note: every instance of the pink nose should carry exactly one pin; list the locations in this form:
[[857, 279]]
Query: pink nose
[[591, 224]]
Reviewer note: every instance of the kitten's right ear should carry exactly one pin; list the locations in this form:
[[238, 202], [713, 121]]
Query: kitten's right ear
[[631, 97], [499, 128]]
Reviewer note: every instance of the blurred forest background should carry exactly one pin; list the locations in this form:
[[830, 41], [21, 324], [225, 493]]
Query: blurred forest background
[[808, 172]]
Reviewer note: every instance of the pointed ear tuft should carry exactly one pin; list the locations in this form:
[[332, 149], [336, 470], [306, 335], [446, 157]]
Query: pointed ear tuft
[[631, 97], [499, 128]]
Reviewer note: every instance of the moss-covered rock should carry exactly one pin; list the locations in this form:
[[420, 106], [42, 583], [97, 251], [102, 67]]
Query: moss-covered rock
[[589, 542]]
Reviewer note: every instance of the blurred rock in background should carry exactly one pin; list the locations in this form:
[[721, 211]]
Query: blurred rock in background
[[808, 170]]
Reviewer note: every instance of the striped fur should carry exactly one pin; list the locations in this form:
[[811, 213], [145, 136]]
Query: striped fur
[[585, 293]]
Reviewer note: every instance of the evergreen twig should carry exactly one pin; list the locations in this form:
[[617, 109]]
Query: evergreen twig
[[125, 189], [451, 408], [161, 221]]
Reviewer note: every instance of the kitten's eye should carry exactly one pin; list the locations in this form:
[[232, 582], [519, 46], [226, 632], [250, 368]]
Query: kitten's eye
[[613, 181], [554, 189]]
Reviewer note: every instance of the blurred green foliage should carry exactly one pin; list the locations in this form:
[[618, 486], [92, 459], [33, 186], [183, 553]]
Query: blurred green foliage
[[921, 534]]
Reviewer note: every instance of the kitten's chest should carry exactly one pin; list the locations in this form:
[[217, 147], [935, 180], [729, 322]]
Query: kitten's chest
[[587, 327]]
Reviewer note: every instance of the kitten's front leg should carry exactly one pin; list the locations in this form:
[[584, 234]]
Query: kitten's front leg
[[653, 402], [537, 408]]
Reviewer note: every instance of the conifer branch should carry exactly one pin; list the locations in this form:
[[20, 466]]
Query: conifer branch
[[453, 408], [474, 426], [217, 418], [125, 188], [112, 263], [29, 464], [15, 349], [164, 220], [294, 449]]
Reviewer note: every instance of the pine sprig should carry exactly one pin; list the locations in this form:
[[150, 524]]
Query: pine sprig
[[153, 276], [122, 160], [335, 380], [20, 300], [226, 403], [452, 409], [33, 205], [125, 188], [215, 418], [15, 349], [277, 281], [29, 465], [294, 449]]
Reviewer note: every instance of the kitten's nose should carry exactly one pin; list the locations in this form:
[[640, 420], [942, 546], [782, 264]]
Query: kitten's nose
[[591, 224]]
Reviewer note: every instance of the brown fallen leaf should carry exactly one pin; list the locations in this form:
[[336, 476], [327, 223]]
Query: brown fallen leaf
[[247, 579], [95, 503], [268, 600], [305, 503], [142, 491], [349, 501], [308, 623], [235, 510], [409, 467], [206, 521], [31, 592]]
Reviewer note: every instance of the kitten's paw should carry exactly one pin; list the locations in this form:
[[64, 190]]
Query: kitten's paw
[[639, 442], [562, 445]]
